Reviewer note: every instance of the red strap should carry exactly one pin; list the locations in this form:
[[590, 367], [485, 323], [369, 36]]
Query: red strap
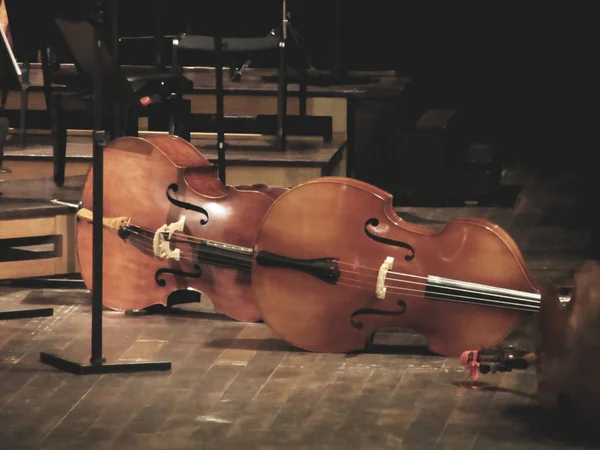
[[473, 365]]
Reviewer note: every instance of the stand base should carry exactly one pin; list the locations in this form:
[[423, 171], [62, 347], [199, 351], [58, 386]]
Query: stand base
[[26, 313], [45, 283], [101, 368]]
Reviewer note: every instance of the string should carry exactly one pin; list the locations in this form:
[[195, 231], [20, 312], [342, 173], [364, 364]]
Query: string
[[229, 261], [191, 239], [448, 297], [533, 302], [141, 243]]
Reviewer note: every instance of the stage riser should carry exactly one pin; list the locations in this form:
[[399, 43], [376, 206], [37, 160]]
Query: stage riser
[[28, 170], [273, 176], [234, 105], [61, 228]]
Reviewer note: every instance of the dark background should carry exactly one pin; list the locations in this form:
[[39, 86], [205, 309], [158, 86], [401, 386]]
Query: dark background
[[526, 71], [526, 68]]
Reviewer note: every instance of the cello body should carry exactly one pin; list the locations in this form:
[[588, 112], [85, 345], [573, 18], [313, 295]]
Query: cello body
[[155, 181], [354, 226]]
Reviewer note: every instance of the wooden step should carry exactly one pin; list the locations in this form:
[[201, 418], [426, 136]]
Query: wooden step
[[37, 238], [252, 96], [250, 159]]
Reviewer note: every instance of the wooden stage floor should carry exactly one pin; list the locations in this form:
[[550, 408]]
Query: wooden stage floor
[[236, 385]]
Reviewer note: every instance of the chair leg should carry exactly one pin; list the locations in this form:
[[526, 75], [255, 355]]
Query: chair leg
[[59, 139], [4, 125], [281, 99], [132, 122], [24, 102], [23, 118], [181, 110]]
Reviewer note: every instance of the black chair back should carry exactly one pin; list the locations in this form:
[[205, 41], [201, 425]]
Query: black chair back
[[79, 37], [9, 69]]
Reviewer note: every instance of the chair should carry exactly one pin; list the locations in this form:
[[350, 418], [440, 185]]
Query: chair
[[232, 46], [69, 27]]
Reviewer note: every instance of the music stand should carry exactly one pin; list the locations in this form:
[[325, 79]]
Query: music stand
[[10, 81], [338, 75], [86, 37]]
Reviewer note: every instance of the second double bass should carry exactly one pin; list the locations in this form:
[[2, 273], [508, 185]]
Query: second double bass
[[166, 214], [334, 264]]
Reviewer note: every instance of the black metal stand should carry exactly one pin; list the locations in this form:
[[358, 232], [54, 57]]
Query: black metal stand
[[117, 125], [339, 74], [10, 79], [281, 82], [97, 362], [220, 93], [4, 127], [26, 313]]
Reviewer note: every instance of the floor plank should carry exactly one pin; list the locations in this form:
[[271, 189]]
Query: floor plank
[[236, 385]]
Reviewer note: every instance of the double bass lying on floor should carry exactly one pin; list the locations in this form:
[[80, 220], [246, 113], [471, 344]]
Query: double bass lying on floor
[[330, 264], [334, 263], [159, 192]]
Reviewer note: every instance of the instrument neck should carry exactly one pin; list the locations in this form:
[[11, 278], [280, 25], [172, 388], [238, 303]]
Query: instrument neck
[[223, 255], [193, 249], [445, 289]]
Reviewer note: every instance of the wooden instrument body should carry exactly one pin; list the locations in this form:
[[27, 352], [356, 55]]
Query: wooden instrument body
[[4, 22], [331, 218], [137, 174]]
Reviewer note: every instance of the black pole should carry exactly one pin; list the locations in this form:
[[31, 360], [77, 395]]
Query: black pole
[[220, 94], [117, 127], [114, 9], [338, 70], [281, 94], [97, 360], [158, 34], [98, 202]]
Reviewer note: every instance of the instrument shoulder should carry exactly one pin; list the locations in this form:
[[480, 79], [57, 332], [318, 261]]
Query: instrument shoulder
[[500, 233], [351, 182]]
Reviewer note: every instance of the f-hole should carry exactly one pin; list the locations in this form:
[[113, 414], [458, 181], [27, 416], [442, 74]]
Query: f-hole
[[178, 273], [373, 222], [185, 205], [376, 312]]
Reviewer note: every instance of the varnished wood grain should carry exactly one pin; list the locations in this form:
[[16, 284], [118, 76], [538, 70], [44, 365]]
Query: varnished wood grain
[[137, 173], [326, 218]]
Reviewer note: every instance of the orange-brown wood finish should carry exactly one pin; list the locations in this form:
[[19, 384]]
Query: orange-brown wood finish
[[137, 173], [4, 22], [325, 218]]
